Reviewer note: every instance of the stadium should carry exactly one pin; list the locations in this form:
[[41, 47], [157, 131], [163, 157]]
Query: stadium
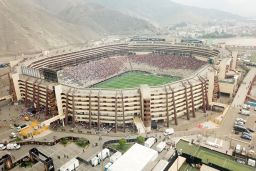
[[121, 84]]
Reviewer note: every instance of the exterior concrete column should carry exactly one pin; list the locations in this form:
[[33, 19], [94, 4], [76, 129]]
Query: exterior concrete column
[[90, 110], [73, 110], [47, 101], [34, 91], [99, 110], [203, 95], [38, 97], [66, 111], [123, 110], [186, 97], [174, 107], [116, 113], [167, 107], [192, 99], [26, 93], [206, 96]]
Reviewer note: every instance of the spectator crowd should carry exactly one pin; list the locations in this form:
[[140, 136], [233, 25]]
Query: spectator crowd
[[99, 70], [168, 61]]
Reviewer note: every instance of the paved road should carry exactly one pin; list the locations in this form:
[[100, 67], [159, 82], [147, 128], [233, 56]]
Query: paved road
[[244, 88]]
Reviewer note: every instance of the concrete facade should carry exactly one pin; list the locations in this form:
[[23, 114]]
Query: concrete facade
[[117, 107]]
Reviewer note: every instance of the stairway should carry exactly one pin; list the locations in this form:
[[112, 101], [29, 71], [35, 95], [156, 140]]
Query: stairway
[[139, 125]]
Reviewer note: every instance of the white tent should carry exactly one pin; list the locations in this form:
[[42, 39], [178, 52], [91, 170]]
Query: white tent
[[135, 159]]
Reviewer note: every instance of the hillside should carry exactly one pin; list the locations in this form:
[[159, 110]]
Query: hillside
[[30, 25], [33, 25], [166, 12]]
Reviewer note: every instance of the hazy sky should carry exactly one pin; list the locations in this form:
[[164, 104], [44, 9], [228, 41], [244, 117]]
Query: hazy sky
[[245, 8]]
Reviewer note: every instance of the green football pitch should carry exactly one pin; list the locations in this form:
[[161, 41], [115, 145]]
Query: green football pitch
[[135, 79], [210, 156]]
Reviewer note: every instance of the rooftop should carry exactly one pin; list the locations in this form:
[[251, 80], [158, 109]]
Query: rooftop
[[135, 159]]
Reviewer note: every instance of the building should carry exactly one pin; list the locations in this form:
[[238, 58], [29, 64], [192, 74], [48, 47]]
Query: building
[[138, 156], [34, 82]]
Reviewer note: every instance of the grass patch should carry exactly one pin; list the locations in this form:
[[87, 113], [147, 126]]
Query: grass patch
[[209, 156], [82, 142], [124, 149], [18, 139], [135, 79], [64, 141]]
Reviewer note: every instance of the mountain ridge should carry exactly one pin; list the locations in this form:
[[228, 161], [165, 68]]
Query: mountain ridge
[[34, 25]]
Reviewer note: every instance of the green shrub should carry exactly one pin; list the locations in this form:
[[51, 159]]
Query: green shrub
[[140, 140], [82, 142], [64, 141], [122, 142]]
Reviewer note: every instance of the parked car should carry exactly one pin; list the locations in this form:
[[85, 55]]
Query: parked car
[[13, 146], [169, 131], [241, 120], [238, 148], [13, 135], [20, 127], [2, 147], [240, 128], [247, 133], [246, 137], [246, 106], [245, 112], [239, 123]]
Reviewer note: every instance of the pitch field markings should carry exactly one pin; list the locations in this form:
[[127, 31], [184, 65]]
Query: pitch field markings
[[135, 79]]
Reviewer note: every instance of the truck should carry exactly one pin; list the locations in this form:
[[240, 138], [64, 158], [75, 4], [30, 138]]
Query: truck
[[160, 146], [106, 167], [115, 156], [13, 146], [103, 154], [238, 148], [251, 162], [245, 112], [150, 141], [95, 161], [70, 165]]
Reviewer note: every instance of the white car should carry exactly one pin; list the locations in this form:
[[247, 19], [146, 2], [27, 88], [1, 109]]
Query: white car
[[2, 147], [247, 107], [13, 135], [169, 131], [239, 123], [13, 146], [245, 112], [240, 120]]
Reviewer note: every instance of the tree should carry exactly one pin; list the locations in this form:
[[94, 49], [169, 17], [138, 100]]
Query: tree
[[140, 140], [122, 142]]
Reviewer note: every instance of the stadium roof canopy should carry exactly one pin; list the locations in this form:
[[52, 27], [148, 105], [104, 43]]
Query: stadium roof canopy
[[135, 159]]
